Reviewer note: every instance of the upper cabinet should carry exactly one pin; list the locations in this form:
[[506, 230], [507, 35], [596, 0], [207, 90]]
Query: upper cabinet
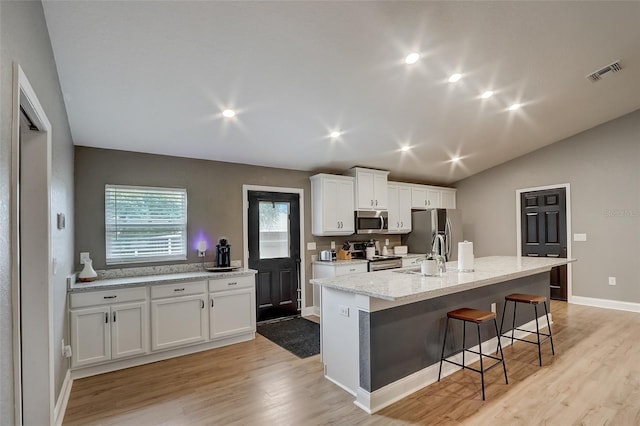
[[332, 205], [432, 197], [399, 199], [370, 188]]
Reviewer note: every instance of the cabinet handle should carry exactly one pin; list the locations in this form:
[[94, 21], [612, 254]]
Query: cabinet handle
[[352, 270], [114, 317], [178, 289], [398, 224], [402, 224], [425, 202], [106, 318], [110, 297], [202, 304], [376, 202], [232, 283], [212, 302], [372, 202]]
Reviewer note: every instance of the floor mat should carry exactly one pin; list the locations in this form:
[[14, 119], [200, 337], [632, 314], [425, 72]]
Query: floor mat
[[297, 335]]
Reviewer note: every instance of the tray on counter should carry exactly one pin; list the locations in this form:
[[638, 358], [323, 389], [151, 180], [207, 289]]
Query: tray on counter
[[223, 268]]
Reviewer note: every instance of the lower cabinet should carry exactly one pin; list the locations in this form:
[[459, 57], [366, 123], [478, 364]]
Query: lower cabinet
[[108, 325], [178, 321], [108, 332]]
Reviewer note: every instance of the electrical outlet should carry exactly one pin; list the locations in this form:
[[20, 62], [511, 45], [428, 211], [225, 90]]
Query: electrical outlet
[[386, 241], [67, 352], [333, 245], [579, 237], [493, 308], [84, 256], [311, 245], [612, 280], [344, 310]]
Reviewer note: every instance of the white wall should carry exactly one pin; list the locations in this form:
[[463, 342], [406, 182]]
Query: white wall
[[24, 38], [602, 165]]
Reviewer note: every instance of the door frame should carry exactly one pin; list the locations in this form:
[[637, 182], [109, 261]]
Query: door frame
[[39, 391], [245, 232], [567, 188]]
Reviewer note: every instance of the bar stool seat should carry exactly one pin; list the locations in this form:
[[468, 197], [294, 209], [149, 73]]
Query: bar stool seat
[[477, 317], [530, 299]]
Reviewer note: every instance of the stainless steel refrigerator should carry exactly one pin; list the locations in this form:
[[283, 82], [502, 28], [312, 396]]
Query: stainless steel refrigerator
[[435, 231]]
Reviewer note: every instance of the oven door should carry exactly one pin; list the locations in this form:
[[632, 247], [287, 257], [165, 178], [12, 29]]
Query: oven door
[[371, 222]]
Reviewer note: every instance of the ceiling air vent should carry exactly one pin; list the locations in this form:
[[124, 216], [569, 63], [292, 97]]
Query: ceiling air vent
[[604, 72]]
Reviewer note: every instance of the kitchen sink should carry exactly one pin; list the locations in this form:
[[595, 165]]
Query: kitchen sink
[[408, 271]]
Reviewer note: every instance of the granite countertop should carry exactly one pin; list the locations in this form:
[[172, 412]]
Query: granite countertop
[[155, 279], [394, 285], [340, 262]]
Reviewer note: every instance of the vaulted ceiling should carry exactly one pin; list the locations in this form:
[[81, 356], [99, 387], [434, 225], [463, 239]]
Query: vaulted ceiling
[[155, 76]]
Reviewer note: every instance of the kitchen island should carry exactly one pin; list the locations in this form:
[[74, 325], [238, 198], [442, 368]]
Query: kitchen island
[[381, 332]]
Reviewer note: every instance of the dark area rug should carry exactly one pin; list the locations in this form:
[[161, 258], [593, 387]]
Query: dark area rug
[[299, 336]]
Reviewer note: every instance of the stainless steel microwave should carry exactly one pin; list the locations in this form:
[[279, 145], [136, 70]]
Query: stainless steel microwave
[[372, 222]]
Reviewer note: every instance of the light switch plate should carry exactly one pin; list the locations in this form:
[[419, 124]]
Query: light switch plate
[[311, 245], [333, 245], [84, 256], [579, 237], [612, 280]]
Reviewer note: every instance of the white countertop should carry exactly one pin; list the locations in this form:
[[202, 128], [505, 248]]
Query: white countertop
[[340, 262], [395, 286], [155, 279]]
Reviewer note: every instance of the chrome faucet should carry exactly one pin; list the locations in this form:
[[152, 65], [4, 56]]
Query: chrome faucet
[[438, 245]]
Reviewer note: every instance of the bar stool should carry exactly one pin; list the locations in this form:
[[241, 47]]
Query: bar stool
[[478, 317], [531, 300]]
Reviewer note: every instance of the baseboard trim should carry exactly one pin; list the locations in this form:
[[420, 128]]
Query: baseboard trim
[[372, 402], [605, 303], [309, 310], [63, 399]]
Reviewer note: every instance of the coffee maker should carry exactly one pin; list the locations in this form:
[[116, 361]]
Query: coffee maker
[[223, 254]]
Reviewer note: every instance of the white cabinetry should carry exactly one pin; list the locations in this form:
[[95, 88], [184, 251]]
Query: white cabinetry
[[370, 188], [399, 201], [432, 197], [232, 305], [108, 325], [332, 208], [178, 320]]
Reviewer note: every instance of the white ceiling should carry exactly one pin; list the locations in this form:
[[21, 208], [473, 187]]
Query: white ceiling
[[154, 76]]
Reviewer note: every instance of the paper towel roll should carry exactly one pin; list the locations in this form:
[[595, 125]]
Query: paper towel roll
[[465, 256]]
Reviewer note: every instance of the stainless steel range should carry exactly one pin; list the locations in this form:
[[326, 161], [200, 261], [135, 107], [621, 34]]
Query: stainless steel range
[[380, 263]]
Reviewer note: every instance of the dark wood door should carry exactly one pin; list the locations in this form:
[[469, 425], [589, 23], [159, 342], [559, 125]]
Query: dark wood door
[[544, 232], [274, 251]]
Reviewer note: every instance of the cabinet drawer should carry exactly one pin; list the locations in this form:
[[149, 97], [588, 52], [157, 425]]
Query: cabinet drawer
[[231, 283], [178, 289], [93, 298], [351, 269]]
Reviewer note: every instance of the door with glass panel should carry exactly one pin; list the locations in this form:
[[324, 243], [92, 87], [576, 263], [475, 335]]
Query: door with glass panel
[[274, 251]]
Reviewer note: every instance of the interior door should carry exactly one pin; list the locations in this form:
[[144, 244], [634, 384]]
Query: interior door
[[274, 251], [544, 232]]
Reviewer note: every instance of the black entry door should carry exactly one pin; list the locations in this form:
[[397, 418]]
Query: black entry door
[[274, 251], [544, 232]]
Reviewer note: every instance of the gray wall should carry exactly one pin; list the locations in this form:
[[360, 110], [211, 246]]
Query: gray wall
[[214, 191], [24, 38], [602, 165]]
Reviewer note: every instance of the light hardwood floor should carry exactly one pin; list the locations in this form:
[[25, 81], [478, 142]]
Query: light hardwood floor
[[594, 379]]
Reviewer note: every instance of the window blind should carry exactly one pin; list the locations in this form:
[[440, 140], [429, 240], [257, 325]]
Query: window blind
[[145, 224]]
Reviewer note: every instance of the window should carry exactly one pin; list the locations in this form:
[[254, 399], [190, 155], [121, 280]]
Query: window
[[145, 224], [274, 229]]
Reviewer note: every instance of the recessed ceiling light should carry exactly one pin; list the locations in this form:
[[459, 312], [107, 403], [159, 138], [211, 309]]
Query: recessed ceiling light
[[229, 113], [514, 107], [411, 58], [487, 94], [455, 159], [405, 148], [455, 77], [335, 134]]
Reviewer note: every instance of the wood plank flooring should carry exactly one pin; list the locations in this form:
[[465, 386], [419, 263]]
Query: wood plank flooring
[[594, 379]]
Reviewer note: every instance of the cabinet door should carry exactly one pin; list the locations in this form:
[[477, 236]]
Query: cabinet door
[[330, 205], [448, 199], [380, 191], [129, 325], [178, 321], [345, 207], [366, 195], [419, 198], [90, 336], [393, 207], [231, 312], [404, 209], [433, 199]]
